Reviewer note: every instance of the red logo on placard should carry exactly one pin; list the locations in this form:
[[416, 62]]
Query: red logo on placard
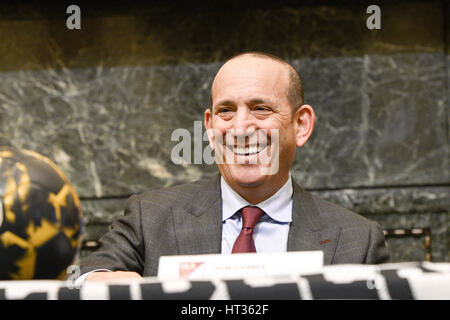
[[186, 268]]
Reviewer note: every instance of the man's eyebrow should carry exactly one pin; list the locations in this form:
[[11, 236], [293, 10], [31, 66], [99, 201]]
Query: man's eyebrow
[[225, 102], [259, 101]]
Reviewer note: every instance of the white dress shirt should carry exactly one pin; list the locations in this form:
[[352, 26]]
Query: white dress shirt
[[271, 232]]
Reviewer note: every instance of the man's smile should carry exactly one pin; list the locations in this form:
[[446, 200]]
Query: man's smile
[[246, 150]]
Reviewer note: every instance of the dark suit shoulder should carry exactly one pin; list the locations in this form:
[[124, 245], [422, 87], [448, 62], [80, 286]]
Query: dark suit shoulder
[[189, 194]]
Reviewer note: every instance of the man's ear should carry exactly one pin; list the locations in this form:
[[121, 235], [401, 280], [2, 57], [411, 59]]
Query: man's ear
[[208, 127], [304, 119]]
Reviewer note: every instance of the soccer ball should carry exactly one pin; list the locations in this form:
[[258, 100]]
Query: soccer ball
[[40, 217]]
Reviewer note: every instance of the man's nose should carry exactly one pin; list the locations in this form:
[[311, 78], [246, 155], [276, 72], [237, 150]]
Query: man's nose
[[243, 123]]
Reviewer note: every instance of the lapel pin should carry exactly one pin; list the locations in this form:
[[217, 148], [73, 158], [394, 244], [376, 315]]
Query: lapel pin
[[325, 241]]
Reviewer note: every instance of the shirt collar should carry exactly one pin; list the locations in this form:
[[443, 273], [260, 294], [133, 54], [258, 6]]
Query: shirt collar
[[278, 207]]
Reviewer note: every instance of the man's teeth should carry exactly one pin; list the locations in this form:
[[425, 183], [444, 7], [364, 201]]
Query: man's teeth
[[247, 150]]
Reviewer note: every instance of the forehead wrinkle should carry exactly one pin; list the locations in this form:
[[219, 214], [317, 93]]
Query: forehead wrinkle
[[249, 102], [238, 81]]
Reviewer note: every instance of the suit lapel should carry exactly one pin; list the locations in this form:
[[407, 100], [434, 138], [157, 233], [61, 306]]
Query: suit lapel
[[198, 223], [308, 230]]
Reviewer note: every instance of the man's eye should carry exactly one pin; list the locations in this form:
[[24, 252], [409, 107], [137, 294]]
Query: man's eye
[[262, 108], [224, 110]]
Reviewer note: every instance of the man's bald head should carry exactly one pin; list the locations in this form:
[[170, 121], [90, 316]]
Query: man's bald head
[[295, 88]]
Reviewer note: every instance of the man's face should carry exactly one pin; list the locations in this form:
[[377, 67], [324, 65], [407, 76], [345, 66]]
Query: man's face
[[251, 124]]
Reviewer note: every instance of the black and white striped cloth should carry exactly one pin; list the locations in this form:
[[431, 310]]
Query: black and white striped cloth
[[390, 281]]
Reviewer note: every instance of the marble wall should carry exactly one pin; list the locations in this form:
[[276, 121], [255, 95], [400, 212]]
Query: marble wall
[[103, 101]]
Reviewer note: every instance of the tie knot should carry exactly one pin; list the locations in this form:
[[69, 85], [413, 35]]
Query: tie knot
[[250, 216]]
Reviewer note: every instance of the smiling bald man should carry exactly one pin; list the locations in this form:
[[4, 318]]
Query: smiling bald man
[[256, 121]]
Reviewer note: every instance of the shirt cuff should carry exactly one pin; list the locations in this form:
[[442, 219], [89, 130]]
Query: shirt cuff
[[80, 280]]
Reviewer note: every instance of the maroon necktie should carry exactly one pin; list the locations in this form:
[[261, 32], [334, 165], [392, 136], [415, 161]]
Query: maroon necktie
[[244, 242]]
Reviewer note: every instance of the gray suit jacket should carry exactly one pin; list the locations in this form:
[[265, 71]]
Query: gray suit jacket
[[187, 219]]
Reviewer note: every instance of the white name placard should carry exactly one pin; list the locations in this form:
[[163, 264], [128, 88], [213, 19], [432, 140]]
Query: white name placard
[[207, 266]]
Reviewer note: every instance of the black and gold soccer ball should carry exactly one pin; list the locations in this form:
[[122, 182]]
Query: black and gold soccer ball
[[40, 217]]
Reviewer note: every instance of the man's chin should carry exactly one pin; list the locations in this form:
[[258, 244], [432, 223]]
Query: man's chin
[[249, 183], [247, 178]]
